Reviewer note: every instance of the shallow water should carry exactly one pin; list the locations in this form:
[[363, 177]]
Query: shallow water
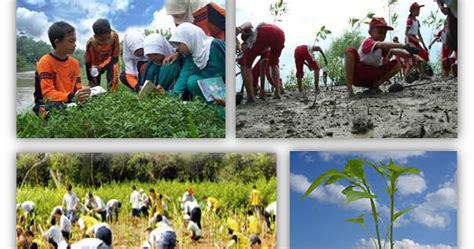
[[24, 91]]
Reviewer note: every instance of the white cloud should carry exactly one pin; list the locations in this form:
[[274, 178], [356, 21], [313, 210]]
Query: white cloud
[[32, 23], [328, 194], [411, 184], [39, 3], [161, 20], [375, 156], [435, 211], [402, 244]]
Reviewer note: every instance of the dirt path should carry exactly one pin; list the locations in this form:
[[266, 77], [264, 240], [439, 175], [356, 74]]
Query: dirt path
[[428, 111]]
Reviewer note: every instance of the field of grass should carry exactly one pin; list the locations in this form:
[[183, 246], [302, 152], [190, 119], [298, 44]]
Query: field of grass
[[234, 197]]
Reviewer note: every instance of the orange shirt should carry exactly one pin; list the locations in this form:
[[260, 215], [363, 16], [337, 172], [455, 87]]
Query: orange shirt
[[211, 19], [102, 54], [56, 80]]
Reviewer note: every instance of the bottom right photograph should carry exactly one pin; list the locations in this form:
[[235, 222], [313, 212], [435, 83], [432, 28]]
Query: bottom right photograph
[[373, 199]]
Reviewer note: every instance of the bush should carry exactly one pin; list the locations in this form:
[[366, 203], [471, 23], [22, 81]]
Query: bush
[[122, 115]]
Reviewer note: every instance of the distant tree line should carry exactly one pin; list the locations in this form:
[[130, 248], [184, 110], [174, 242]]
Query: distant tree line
[[95, 169]]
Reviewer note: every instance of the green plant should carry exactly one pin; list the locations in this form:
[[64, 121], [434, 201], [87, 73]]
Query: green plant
[[359, 189], [278, 9], [122, 115], [356, 22], [322, 33]]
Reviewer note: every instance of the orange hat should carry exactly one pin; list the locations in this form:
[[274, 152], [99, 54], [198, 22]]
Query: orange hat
[[414, 6], [379, 22], [190, 191]]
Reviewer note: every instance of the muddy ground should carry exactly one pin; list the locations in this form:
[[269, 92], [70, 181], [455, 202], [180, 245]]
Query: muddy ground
[[425, 111]]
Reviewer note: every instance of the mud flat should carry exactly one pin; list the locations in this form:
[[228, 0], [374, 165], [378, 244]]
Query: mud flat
[[425, 111]]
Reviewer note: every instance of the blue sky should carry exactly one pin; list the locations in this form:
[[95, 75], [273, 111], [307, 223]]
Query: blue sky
[[318, 221], [35, 16]]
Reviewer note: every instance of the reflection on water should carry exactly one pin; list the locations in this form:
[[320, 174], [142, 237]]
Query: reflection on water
[[24, 91]]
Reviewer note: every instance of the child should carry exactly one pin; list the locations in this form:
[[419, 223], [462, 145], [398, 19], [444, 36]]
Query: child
[[204, 57], [261, 70], [71, 203], [95, 205], [304, 56], [57, 76], [193, 209], [64, 223], [133, 59], [102, 54], [31, 241], [162, 237], [113, 208], [255, 43], [413, 33], [194, 232], [447, 60], [157, 48], [370, 67], [101, 231]]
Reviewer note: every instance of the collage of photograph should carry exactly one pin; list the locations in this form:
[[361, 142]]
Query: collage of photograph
[[144, 149]]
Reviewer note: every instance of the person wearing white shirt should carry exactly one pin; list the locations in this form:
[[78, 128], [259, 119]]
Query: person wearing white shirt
[[64, 222], [89, 243], [193, 209], [194, 232], [144, 203], [162, 237], [71, 203], [270, 213], [101, 231], [95, 203], [135, 201], [113, 207], [54, 236]]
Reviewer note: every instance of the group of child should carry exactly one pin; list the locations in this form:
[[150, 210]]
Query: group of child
[[195, 51], [371, 65], [94, 218]]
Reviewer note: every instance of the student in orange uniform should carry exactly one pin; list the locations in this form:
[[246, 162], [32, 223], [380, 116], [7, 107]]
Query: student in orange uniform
[[102, 53], [57, 76]]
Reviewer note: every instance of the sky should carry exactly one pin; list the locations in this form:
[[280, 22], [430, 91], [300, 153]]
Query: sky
[[318, 221], [304, 19], [35, 16]]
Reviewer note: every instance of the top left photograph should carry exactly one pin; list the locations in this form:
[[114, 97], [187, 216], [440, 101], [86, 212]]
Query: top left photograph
[[120, 69]]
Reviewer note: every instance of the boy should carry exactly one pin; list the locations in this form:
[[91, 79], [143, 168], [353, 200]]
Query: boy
[[57, 76], [95, 204], [113, 208], [304, 56], [448, 61], [133, 59], [64, 223], [370, 67], [162, 237], [32, 242], [261, 70], [413, 33], [135, 201], [255, 43], [71, 203], [194, 211], [102, 54]]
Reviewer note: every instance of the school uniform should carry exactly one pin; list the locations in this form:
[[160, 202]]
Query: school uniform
[[130, 76], [256, 42], [413, 26], [304, 56]]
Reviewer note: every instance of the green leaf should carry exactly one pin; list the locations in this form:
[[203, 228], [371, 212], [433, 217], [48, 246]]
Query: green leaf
[[335, 178], [359, 220], [379, 169], [398, 170], [400, 213], [355, 167], [357, 195], [319, 180]]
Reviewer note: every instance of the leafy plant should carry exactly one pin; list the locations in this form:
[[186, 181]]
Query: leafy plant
[[360, 189], [357, 22], [322, 33], [278, 9], [122, 115]]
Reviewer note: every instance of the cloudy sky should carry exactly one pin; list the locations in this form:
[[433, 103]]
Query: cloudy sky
[[318, 221], [304, 19], [35, 16]]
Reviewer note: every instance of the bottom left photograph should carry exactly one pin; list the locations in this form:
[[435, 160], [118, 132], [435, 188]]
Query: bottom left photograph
[[146, 200]]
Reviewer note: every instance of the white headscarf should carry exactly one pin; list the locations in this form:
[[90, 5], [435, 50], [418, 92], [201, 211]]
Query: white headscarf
[[187, 7], [157, 44], [133, 40], [199, 44]]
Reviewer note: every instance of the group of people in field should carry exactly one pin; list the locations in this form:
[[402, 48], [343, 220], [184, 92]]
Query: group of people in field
[[94, 218], [375, 62], [173, 66]]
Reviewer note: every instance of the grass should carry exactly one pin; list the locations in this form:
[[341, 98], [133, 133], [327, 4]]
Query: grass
[[122, 115]]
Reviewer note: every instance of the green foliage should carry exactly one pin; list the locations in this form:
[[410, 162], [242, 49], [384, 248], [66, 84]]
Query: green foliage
[[87, 169], [166, 33], [291, 84], [359, 188], [322, 33], [278, 9], [355, 22], [122, 115], [335, 54]]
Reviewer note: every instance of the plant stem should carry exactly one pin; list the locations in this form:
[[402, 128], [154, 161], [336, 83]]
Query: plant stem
[[374, 215], [392, 204]]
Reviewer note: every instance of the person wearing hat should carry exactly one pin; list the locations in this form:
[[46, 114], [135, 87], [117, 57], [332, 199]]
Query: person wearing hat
[[204, 57], [370, 66], [156, 49], [133, 59], [413, 31], [193, 231], [255, 42]]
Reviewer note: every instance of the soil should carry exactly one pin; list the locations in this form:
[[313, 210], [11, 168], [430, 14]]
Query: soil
[[423, 111]]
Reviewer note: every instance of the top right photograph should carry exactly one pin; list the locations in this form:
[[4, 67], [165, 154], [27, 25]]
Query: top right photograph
[[346, 69]]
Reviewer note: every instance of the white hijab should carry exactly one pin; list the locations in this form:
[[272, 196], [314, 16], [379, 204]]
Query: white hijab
[[157, 44], [199, 44], [187, 7], [133, 40]]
